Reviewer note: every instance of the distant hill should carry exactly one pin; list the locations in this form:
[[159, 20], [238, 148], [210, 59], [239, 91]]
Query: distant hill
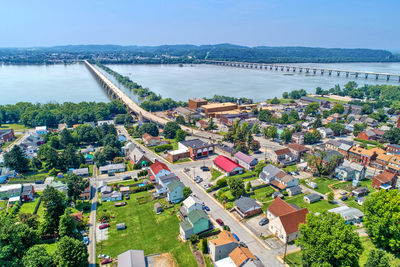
[[192, 53]]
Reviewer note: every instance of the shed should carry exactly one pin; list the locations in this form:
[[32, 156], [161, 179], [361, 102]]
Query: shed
[[124, 189], [157, 207], [311, 198], [121, 226]]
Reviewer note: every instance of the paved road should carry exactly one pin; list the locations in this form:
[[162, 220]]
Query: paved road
[[92, 220], [268, 257]]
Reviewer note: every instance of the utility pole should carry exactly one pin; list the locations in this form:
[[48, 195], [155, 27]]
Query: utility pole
[[284, 256]]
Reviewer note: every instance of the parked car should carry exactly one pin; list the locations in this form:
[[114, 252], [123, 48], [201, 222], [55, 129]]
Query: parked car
[[242, 244], [111, 174], [106, 261], [86, 240], [297, 173], [204, 168], [104, 226], [343, 193], [127, 178], [206, 208], [344, 198], [127, 196], [206, 186], [263, 221], [219, 221], [236, 237], [198, 179]]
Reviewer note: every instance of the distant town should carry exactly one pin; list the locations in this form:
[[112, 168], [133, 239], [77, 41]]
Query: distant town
[[299, 180]]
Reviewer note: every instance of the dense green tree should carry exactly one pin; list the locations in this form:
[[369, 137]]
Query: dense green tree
[[76, 185], [286, 136], [358, 128], [264, 115], [54, 205], [293, 116], [31, 220], [70, 158], [259, 167], [85, 133], [71, 252], [66, 138], [284, 118], [331, 196], [312, 137], [67, 224], [317, 123], [16, 159], [337, 128], [265, 132], [275, 101], [393, 135], [236, 186], [377, 258], [326, 240], [272, 132], [254, 145], [186, 192], [149, 128], [255, 129], [337, 108], [285, 95], [49, 157], [367, 109], [180, 119], [382, 213], [37, 256], [204, 245], [312, 108], [180, 135]]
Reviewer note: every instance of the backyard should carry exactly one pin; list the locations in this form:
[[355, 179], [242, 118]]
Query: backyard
[[322, 183], [145, 230], [215, 174], [263, 194]]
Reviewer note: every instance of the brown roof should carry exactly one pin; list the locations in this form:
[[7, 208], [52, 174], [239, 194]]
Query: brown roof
[[279, 207], [223, 238], [281, 174], [292, 220], [77, 216], [148, 137], [297, 147], [384, 157], [282, 151], [240, 255], [362, 151], [278, 184], [385, 177]]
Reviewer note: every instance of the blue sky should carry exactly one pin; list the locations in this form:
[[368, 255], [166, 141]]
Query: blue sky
[[318, 23]]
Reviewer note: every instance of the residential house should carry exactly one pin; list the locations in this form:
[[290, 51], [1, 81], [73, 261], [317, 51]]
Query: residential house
[[9, 191], [393, 149], [242, 257], [27, 193], [269, 173], [112, 168], [150, 140], [163, 181], [394, 164], [41, 130], [158, 169], [360, 192], [341, 146], [225, 148], [228, 166], [298, 138], [197, 148], [245, 160], [385, 180], [247, 207], [222, 246], [363, 156], [59, 186], [277, 178], [350, 171], [202, 124], [132, 258], [372, 134], [381, 161], [284, 220], [371, 122], [175, 191], [6, 173], [108, 195], [283, 156], [297, 150], [189, 204], [109, 122], [325, 132], [293, 191], [84, 172], [138, 156], [350, 215], [85, 195], [6, 135], [312, 198], [196, 222]]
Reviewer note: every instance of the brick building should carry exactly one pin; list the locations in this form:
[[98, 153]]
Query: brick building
[[6, 135], [211, 109], [195, 103]]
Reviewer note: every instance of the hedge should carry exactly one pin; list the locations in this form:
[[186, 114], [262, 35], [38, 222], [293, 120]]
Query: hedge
[[162, 148], [215, 231]]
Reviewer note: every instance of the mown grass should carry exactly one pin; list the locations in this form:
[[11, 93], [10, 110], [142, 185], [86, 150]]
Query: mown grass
[[145, 231]]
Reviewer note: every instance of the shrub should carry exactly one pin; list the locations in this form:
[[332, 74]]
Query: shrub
[[163, 148]]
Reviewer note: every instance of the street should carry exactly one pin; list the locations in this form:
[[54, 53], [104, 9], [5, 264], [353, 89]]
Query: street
[[92, 220]]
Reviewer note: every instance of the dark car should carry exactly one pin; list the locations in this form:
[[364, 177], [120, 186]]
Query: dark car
[[111, 174], [242, 244], [344, 198], [127, 178], [219, 221], [204, 168], [106, 261], [263, 222], [104, 226], [127, 196], [206, 208], [39, 182]]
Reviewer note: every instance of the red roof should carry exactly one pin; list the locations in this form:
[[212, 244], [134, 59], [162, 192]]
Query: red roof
[[385, 177], [297, 147], [279, 207], [157, 166], [282, 151], [226, 164], [292, 220]]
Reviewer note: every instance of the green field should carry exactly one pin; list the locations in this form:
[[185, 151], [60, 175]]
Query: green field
[[322, 183], [263, 194], [331, 100], [145, 231], [15, 126], [319, 206], [348, 185], [291, 168]]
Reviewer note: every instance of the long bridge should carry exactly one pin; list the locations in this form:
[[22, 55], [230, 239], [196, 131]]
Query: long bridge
[[305, 69], [116, 93]]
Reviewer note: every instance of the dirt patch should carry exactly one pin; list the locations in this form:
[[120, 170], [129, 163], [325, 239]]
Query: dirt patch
[[199, 258], [161, 260]]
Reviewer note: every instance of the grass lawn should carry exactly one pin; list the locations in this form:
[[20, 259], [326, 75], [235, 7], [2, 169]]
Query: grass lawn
[[319, 206], [145, 231], [263, 194], [15, 126], [294, 259], [127, 182], [182, 160], [247, 173], [322, 183], [368, 246], [29, 177], [291, 168], [331, 100], [348, 185], [215, 174], [29, 207], [50, 248]]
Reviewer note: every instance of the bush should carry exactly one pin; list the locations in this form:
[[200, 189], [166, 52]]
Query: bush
[[137, 166], [222, 182], [142, 173], [163, 148], [226, 228], [285, 193], [209, 233]]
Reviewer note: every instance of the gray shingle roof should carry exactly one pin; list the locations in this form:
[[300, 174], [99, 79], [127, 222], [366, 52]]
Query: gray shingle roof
[[246, 203]]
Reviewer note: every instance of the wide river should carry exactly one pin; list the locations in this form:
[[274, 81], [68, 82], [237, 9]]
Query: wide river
[[62, 83]]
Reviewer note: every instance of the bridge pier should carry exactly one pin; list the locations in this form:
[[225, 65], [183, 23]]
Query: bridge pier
[[300, 70], [287, 68], [322, 72], [282, 68], [387, 77], [347, 74], [294, 69], [329, 72], [307, 70], [276, 67], [314, 71], [338, 73], [366, 75], [270, 67], [356, 74], [376, 76]]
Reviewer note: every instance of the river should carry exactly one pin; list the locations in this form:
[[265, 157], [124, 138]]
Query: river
[[62, 83]]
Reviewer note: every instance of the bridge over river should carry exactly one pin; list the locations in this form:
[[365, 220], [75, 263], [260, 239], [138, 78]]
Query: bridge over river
[[305, 69]]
